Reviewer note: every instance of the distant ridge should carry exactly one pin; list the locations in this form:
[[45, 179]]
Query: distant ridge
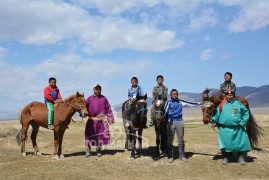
[[257, 97]]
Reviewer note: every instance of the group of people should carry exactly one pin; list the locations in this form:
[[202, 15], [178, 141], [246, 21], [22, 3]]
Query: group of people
[[231, 118]]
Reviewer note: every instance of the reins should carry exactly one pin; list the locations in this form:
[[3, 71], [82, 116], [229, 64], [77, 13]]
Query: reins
[[79, 109]]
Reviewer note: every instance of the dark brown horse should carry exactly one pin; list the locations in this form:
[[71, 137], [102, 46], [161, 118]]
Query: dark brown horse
[[35, 114], [160, 123], [210, 104], [137, 110]]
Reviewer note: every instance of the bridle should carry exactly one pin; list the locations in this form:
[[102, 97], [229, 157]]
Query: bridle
[[143, 108], [78, 109], [158, 111], [208, 104]]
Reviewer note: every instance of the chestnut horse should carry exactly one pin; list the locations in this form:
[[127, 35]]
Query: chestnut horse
[[35, 114], [160, 123], [210, 104], [138, 119]]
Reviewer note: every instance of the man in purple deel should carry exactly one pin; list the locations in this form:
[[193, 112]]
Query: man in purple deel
[[100, 117]]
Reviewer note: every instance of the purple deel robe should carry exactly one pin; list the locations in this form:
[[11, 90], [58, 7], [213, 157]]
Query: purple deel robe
[[97, 132]]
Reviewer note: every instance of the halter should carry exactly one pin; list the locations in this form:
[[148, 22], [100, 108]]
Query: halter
[[205, 105], [142, 109], [77, 108]]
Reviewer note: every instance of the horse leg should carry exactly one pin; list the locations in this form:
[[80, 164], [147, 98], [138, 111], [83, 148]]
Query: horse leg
[[140, 131], [157, 132], [163, 133], [61, 134], [56, 143], [23, 137], [133, 140], [33, 137], [127, 139]]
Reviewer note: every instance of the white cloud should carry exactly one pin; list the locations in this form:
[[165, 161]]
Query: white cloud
[[233, 2], [254, 15], [23, 84], [206, 54], [207, 18], [48, 22], [110, 33], [116, 6]]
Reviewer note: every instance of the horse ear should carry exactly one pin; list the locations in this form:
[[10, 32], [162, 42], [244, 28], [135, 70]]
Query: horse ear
[[77, 94], [145, 97]]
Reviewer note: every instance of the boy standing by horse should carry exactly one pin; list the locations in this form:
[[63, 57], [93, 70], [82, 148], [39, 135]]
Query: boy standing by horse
[[52, 96], [100, 116], [159, 91], [173, 109], [132, 93]]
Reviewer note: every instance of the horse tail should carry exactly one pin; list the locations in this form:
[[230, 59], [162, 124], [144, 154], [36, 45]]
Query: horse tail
[[254, 131], [18, 137]]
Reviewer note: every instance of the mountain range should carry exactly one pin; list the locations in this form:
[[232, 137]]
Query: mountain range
[[257, 97]]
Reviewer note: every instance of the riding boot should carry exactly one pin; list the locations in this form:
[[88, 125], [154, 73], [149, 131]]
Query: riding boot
[[170, 153], [181, 150], [88, 151], [241, 158], [98, 151], [224, 158]]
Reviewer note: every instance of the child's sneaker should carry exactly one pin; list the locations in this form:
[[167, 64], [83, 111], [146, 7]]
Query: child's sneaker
[[51, 127], [151, 122]]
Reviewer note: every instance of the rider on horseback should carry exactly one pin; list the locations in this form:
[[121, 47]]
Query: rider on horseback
[[159, 90], [227, 84], [52, 95], [132, 92]]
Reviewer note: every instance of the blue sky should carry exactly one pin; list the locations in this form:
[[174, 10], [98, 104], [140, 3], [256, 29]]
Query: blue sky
[[192, 43]]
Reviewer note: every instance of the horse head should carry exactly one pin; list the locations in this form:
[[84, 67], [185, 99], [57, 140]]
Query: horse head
[[78, 102], [158, 109], [141, 107], [209, 106]]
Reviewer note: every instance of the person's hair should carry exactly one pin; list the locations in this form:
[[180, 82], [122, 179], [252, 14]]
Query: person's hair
[[134, 78], [172, 91], [52, 78], [230, 74], [159, 76]]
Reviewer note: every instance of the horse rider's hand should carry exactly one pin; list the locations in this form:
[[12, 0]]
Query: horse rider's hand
[[56, 101]]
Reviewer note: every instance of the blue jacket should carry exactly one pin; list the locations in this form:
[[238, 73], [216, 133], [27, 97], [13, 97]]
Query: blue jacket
[[173, 108], [134, 91]]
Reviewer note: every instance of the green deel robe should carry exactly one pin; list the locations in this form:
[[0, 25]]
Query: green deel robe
[[232, 122]]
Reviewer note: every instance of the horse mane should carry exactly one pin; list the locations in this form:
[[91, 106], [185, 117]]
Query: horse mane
[[73, 96]]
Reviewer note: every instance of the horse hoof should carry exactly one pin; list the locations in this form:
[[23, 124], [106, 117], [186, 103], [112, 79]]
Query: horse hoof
[[61, 156], [156, 157], [23, 154], [141, 156], [132, 158], [56, 157], [38, 153]]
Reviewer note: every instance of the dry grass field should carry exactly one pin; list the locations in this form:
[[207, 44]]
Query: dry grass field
[[201, 150]]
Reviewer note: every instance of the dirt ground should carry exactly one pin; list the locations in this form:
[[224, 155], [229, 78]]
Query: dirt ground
[[202, 152]]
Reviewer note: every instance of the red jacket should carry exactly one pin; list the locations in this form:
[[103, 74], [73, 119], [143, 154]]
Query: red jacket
[[51, 94]]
